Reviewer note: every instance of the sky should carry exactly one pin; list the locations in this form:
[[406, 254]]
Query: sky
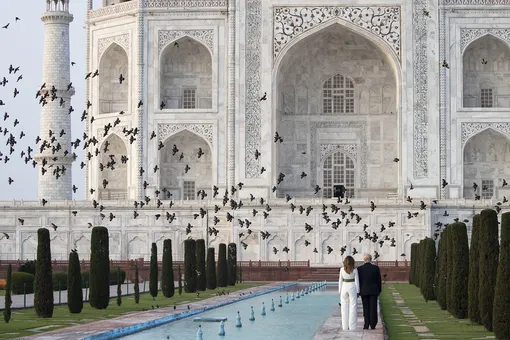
[[22, 45]]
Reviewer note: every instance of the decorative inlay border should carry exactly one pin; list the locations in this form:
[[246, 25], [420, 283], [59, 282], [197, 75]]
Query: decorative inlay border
[[290, 22], [362, 154], [475, 2], [469, 129], [420, 91], [165, 37], [121, 40], [351, 149], [252, 93], [204, 130], [468, 35]]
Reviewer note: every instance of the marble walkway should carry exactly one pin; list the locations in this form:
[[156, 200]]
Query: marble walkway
[[332, 328], [133, 319]]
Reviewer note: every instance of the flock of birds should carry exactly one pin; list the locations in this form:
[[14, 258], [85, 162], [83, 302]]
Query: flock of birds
[[336, 215]]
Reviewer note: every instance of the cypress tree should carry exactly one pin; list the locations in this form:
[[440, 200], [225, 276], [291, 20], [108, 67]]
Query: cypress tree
[[201, 272], [414, 255], [8, 299], [427, 288], [119, 289], [190, 266], [211, 269], [488, 265], [43, 298], [449, 268], [99, 279], [180, 280], [137, 285], [153, 283], [441, 273], [500, 322], [474, 262], [74, 290], [167, 275], [232, 264], [460, 271], [421, 257], [222, 275]]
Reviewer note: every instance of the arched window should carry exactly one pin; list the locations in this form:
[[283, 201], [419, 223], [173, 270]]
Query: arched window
[[113, 96], [338, 169], [338, 95]]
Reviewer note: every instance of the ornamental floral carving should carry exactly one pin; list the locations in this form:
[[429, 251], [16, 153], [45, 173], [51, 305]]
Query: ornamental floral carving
[[184, 3], [475, 2], [420, 91], [468, 130], [468, 35], [361, 154], [113, 9], [166, 37], [290, 22], [204, 130], [252, 93], [118, 130], [351, 149], [121, 40]]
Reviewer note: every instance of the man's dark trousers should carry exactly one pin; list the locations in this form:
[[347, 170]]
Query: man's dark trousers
[[370, 288]]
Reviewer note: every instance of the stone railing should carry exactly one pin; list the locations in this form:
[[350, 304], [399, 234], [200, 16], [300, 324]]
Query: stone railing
[[133, 5]]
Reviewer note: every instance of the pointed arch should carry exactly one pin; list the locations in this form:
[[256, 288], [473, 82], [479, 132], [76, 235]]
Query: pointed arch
[[185, 77], [173, 175], [137, 248], [335, 49], [303, 252], [113, 96], [113, 169], [486, 66], [485, 158]]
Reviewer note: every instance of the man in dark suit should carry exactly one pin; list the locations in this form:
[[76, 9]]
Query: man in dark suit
[[369, 289]]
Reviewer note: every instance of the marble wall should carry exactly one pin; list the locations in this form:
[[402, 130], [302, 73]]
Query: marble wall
[[113, 96], [486, 65], [301, 79], [114, 170], [186, 64]]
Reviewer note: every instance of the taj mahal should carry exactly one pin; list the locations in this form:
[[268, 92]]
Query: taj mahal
[[402, 104]]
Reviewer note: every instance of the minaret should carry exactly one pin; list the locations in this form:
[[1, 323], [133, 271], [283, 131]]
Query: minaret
[[55, 113]]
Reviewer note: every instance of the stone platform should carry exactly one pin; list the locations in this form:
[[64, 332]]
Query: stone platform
[[332, 328]]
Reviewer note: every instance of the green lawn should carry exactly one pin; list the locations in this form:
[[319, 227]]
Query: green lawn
[[24, 319], [439, 322], [2, 292]]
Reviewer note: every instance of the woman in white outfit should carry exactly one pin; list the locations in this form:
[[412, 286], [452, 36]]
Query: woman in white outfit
[[348, 287]]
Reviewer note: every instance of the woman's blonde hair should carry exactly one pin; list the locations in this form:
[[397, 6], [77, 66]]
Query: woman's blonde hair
[[349, 264]]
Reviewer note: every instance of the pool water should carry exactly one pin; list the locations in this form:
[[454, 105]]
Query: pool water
[[298, 320]]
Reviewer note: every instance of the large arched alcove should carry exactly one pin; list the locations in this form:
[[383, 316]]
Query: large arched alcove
[[486, 68], [173, 175], [485, 162], [186, 75], [113, 96], [336, 87], [114, 171]]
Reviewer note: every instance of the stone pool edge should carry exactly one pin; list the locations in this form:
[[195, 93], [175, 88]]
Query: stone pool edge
[[120, 332]]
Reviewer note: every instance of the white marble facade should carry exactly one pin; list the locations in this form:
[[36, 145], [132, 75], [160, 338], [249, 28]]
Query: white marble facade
[[349, 87]]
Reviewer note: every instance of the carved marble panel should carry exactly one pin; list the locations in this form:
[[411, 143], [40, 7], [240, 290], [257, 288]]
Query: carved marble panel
[[122, 40], [351, 149], [204, 130], [420, 90], [253, 36], [166, 37], [362, 154], [475, 2], [468, 35], [290, 22], [470, 129], [118, 130]]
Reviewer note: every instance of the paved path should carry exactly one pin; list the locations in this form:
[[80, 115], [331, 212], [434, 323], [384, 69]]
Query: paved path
[[98, 327], [332, 328], [18, 300]]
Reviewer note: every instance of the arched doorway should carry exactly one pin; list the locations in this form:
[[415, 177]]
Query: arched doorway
[[113, 169], [336, 87], [173, 175], [338, 169], [486, 67], [485, 162], [113, 96]]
